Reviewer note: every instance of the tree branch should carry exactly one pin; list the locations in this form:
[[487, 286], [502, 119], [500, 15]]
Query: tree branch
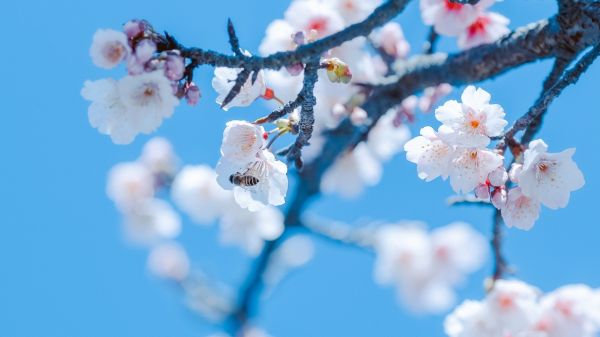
[[542, 103], [302, 54]]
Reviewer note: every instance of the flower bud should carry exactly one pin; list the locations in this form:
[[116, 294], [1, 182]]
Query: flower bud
[[192, 94], [482, 192], [499, 197], [338, 71], [498, 177]]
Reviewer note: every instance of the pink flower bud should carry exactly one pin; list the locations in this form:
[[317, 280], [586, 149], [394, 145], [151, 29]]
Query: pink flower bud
[[499, 197], [134, 28], [295, 69], [144, 50], [358, 116], [498, 177], [174, 67], [482, 192], [299, 38], [192, 94]]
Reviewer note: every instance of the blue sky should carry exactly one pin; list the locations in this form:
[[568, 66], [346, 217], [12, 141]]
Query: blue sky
[[67, 271]]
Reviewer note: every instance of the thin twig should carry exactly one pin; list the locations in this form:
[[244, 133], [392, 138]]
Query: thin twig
[[542, 103], [430, 43], [233, 39], [500, 266]]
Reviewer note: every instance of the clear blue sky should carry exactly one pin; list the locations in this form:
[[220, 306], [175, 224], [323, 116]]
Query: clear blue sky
[[65, 269]]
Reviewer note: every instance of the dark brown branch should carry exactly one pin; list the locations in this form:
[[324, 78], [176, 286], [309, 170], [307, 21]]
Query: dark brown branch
[[307, 118], [500, 266], [558, 69], [233, 39], [302, 54]]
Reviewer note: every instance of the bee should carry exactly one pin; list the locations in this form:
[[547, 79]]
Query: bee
[[248, 178]]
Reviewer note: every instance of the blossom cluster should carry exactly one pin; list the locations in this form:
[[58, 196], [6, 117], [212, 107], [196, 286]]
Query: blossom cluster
[[459, 150], [426, 266], [138, 102], [514, 308], [472, 25]]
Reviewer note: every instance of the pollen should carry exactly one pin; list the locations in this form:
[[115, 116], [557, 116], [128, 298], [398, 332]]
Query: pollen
[[542, 167], [473, 154], [474, 124]]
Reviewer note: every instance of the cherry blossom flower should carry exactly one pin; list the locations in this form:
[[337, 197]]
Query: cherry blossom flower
[[520, 211], [159, 157], [472, 122], [129, 184], [170, 261], [387, 139], [250, 230], [242, 141], [107, 112], [224, 80], [109, 48], [152, 221], [514, 308], [457, 250], [426, 267], [471, 167], [487, 28], [549, 177], [192, 94], [353, 11], [278, 37], [196, 192], [135, 104], [292, 253], [390, 39], [432, 95], [431, 154], [450, 18], [315, 16], [351, 172], [257, 183]]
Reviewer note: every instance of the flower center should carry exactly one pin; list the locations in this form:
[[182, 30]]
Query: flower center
[[479, 26], [453, 6], [474, 124], [318, 24], [542, 167], [114, 52], [505, 301], [473, 154]]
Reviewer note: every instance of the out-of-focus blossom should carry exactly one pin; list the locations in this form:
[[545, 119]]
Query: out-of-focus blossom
[[169, 261], [353, 11], [514, 308], [109, 48], [450, 18], [314, 16], [549, 177], [386, 138], [425, 268], [390, 39], [487, 28], [151, 221], [196, 192], [250, 230], [432, 95], [129, 184], [351, 172], [159, 157], [134, 28]]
